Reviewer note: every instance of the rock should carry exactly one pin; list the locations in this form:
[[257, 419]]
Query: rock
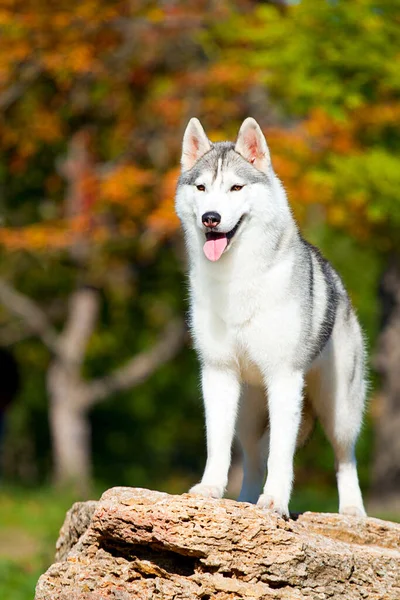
[[141, 544], [76, 523]]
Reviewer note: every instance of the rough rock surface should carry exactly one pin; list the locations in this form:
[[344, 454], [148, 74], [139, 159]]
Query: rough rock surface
[[136, 543]]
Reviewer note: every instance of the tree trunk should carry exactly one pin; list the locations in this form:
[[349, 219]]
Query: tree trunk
[[70, 432], [71, 397], [385, 489], [69, 423]]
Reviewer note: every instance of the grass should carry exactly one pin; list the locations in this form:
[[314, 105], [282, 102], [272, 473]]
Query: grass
[[29, 524]]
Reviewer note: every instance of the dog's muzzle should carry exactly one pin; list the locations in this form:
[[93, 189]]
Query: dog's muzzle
[[217, 242]]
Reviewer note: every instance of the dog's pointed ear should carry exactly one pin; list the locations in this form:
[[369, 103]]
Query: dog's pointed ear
[[195, 144], [252, 145]]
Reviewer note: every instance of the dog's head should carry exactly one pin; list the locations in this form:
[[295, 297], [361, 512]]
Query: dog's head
[[220, 184]]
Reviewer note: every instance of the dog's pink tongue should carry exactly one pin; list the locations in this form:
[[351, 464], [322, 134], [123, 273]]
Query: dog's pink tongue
[[213, 248]]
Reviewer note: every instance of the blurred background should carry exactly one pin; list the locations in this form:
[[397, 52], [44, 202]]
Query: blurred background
[[99, 383]]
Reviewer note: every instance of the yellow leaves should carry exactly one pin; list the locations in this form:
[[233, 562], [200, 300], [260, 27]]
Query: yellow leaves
[[41, 237], [325, 162], [36, 125], [73, 59], [372, 22], [66, 39], [8, 135], [337, 135], [170, 109], [155, 15], [80, 59], [61, 20], [287, 168], [231, 75], [292, 160], [378, 115], [337, 215], [27, 148], [11, 55], [95, 11], [125, 185], [15, 52], [357, 201], [163, 220], [46, 126], [4, 17]]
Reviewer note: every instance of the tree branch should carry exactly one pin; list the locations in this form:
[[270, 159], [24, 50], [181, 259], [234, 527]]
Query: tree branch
[[33, 316], [11, 334], [82, 316], [140, 367], [29, 74]]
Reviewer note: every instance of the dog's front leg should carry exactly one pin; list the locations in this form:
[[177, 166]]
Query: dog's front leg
[[221, 391], [285, 405]]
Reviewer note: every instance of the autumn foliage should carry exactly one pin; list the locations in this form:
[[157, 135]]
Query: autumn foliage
[[128, 75], [94, 98]]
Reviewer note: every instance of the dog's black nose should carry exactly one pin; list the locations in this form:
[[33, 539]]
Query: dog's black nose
[[211, 219]]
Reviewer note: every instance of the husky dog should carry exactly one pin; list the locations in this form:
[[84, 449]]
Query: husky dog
[[270, 318]]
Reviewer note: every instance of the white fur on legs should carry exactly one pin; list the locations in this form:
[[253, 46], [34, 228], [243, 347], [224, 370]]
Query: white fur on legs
[[221, 392], [253, 436], [285, 404], [338, 400], [350, 499]]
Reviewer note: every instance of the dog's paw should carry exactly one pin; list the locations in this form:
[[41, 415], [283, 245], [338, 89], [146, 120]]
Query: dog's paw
[[270, 503], [207, 491], [353, 511]]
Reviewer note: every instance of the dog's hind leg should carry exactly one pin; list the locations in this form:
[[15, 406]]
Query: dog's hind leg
[[307, 424], [336, 389], [253, 434]]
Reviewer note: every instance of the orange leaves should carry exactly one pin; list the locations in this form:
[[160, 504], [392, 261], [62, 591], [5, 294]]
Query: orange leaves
[[45, 126], [292, 158], [61, 38], [35, 125], [140, 195], [374, 119], [337, 135], [71, 60], [126, 185], [340, 164], [233, 76], [163, 219], [89, 199], [337, 215], [39, 237], [156, 14]]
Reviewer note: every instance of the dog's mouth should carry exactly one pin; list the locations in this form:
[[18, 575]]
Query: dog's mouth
[[217, 242]]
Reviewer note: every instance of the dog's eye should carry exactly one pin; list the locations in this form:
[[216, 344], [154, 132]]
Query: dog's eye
[[236, 188], [201, 187]]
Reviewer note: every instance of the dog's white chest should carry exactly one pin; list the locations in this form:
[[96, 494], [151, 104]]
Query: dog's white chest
[[247, 320]]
